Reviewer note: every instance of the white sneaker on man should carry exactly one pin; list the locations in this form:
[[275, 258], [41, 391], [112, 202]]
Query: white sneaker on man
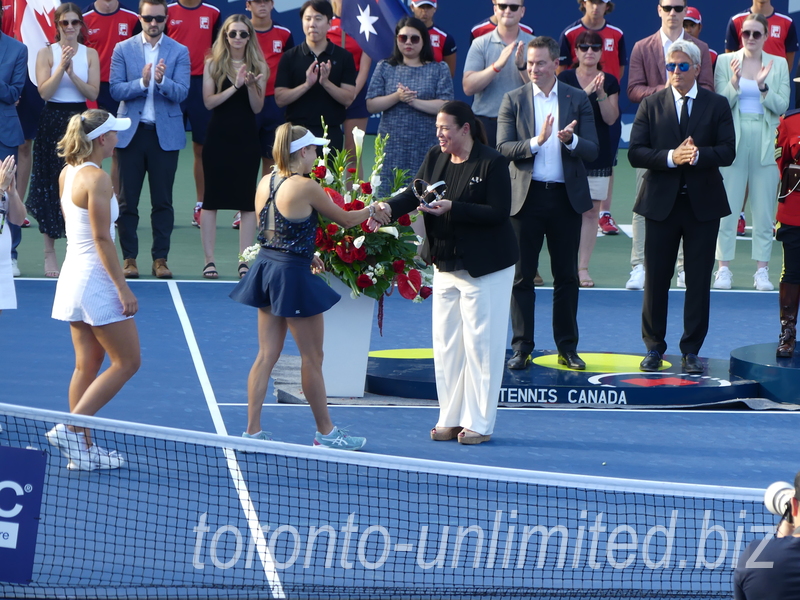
[[15, 268], [636, 281], [761, 280], [723, 279], [682, 279]]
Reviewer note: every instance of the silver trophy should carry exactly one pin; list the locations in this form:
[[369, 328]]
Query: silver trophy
[[427, 193]]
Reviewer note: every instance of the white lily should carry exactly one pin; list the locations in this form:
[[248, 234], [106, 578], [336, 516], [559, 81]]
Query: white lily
[[390, 230], [329, 176], [325, 151], [375, 182], [359, 241], [356, 187], [358, 138]]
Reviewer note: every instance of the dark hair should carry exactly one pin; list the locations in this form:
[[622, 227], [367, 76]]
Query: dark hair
[[549, 43], [609, 6], [588, 37], [425, 55], [155, 3], [323, 7], [69, 7], [462, 113]]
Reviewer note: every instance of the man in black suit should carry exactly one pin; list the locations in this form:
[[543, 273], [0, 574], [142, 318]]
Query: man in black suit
[[681, 135], [546, 128]]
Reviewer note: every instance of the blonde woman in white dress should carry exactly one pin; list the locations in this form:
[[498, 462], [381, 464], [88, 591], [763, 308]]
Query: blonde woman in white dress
[[12, 211], [92, 293]]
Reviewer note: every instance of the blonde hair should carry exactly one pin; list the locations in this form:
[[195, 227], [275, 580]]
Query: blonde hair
[[284, 136], [75, 147], [221, 67]]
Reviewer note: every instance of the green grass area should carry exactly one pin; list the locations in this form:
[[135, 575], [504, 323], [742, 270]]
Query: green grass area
[[610, 264]]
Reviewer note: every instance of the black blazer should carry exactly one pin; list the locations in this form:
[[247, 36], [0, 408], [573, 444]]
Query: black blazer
[[656, 131], [480, 216]]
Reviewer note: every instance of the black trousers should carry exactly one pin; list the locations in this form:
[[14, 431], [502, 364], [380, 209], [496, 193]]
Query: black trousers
[[145, 156], [546, 213], [662, 239]]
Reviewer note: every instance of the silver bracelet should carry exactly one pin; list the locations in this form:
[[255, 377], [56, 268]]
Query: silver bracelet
[[371, 211]]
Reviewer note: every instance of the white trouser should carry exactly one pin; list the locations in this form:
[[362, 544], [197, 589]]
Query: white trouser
[[637, 246], [470, 332], [761, 183]]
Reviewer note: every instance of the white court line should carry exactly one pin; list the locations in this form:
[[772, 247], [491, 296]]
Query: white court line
[[233, 465]]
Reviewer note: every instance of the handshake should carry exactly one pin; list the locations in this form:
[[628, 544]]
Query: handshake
[[380, 214]]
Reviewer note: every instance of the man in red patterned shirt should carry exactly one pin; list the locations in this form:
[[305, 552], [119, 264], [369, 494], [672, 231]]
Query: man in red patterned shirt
[[443, 44], [194, 24]]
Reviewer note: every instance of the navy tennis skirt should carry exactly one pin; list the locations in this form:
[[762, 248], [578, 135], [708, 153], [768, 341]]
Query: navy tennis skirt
[[284, 282]]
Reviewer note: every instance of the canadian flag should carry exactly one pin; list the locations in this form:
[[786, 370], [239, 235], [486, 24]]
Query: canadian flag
[[34, 26]]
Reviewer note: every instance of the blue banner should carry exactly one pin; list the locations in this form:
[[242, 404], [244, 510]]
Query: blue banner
[[21, 486], [372, 23]]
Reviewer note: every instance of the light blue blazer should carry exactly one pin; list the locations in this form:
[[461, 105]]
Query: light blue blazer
[[775, 103], [127, 63], [13, 72]]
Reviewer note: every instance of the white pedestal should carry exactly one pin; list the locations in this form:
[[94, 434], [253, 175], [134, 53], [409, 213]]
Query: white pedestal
[[348, 329]]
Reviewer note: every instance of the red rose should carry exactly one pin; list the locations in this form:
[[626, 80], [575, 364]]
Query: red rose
[[399, 266], [404, 220], [356, 205], [351, 170], [320, 172], [365, 228], [409, 285], [364, 281], [425, 292], [360, 253], [332, 228], [319, 238], [335, 196], [366, 187]]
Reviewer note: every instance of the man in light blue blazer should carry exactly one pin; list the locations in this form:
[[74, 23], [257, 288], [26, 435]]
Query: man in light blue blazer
[[13, 71], [150, 79]]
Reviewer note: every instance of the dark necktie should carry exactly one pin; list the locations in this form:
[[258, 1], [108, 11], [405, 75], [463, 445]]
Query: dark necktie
[[684, 123]]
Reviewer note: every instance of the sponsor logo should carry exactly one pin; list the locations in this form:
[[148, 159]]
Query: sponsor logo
[[94, 31], [175, 22], [123, 29], [608, 45], [9, 532], [775, 31], [205, 23], [435, 41], [277, 46]]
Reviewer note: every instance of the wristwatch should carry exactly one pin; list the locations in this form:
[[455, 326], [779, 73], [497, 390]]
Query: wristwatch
[[764, 89], [522, 68]]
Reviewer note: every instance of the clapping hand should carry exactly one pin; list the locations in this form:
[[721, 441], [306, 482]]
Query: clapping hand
[[595, 85], [251, 79], [437, 207], [312, 74], [686, 153], [147, 74], [67, 53], [241, 75], [761, 78], [736, 72], [324, 71], [547, 130], [7, 170], [161, 68], [407, 95], [566, 134]]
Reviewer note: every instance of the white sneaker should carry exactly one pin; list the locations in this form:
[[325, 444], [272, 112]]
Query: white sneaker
[[71, 443], [15, 268], [682, 279], [636, 282], [723, 279], [761, 280], [97, 458]]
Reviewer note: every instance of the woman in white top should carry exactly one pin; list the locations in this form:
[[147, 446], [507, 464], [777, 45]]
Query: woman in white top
[[68, 74], [756, 85], [11, 211], [92, 293]]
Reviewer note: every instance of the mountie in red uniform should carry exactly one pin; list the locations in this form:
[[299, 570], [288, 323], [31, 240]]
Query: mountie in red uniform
[[274, 42], [106, 30], [195, 28]]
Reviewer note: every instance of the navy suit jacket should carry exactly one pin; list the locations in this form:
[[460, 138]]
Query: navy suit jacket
[[13, 72]]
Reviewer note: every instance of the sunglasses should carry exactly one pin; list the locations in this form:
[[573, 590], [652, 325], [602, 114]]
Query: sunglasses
[[511, 7], [670, 8], [242, 34], [682, 67], [587, 47], [151, 18], [756, 35], [414, 39], [66, 23]]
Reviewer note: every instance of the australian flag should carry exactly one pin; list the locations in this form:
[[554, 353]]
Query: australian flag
[[371, 23]]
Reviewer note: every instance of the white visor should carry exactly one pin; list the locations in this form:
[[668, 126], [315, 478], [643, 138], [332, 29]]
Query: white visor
[[309, 139], [112, 123]]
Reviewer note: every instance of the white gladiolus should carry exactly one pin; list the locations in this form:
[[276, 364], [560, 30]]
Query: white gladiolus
[[390, 230], [375, 182], [356, 187], [347, 198], [328, 176], [325, 151], [359, 241]]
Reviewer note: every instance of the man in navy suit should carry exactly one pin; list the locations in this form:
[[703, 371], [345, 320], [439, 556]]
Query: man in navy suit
[[547, 130], [13, 72], [682, 135], [150, 79]]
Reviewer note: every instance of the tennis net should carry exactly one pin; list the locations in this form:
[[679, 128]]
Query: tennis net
[[196, 515]]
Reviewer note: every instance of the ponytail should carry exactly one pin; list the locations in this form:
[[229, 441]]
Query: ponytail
[[75, 147], [281, 150], [462, 113]]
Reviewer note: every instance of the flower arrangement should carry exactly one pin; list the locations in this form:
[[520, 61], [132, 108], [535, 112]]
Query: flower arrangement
[[368, 262]]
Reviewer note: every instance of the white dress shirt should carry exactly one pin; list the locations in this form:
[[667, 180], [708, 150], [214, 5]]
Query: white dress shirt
[[691, 96], [150, 57], [547, 167]]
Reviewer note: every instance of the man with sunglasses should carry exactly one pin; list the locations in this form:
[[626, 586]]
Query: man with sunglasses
[[681, 136], [648, 75], [496, 65], [781, 36], [150, 79], [489, 25]]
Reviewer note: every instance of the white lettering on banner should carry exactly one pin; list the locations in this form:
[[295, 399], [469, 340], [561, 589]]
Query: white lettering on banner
[[529, 395], [15, 510], [8, 535], [600, 396]]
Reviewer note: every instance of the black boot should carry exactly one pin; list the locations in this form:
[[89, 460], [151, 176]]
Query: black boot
[[789, 294]]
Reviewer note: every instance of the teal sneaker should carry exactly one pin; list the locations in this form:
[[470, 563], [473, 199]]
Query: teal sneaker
[[261, 435], [339, 440]]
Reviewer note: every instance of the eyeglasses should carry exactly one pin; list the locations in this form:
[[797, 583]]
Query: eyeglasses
[[66, 23], [511, 7], [670, 8], [682, 67], [242, 34], [756, 35], [414, 39], [587, 47], [151, 18]]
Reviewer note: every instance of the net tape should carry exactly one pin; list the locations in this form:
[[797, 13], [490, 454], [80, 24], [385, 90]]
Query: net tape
[[200, 515]]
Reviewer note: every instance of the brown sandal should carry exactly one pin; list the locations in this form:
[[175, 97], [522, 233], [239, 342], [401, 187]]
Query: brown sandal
[[467, 436], [442, 434]]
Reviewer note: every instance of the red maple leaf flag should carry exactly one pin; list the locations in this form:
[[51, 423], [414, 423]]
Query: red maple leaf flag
[[34, 26]]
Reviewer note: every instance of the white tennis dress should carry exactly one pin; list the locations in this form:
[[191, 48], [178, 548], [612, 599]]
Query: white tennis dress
[[84, 292], [8, 297]]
